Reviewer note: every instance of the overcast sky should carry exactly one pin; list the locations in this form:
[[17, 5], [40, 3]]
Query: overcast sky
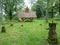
[[27, 3]]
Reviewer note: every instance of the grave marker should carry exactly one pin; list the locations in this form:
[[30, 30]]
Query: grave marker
[[52, 37], [52, 13]]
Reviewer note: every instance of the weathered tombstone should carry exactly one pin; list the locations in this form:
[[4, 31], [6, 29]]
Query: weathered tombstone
[[52, 37]]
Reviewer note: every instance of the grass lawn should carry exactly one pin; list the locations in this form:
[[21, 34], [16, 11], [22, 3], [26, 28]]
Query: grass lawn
[[31, 33]]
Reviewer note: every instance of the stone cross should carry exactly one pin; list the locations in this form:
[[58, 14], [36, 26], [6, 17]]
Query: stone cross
[[52, 13]]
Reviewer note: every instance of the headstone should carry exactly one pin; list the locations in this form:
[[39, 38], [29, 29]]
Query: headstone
[[52, 37]]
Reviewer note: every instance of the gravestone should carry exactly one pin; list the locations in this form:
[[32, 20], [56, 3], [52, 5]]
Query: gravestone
[[52, 37]]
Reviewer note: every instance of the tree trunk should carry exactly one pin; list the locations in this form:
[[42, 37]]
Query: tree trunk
[[47, 11], [2, 17], [10, 16], [46, 16]]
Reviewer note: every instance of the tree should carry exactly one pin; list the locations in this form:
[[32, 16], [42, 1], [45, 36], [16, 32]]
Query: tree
[[2, 16], [57, 5], [38, 7], [45, 6], [38, 11], [11, 6]]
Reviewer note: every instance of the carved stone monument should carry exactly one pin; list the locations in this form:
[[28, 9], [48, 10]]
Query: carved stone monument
[[52, 37]]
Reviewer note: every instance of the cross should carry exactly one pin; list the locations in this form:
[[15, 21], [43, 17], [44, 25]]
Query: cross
[[52, 13]]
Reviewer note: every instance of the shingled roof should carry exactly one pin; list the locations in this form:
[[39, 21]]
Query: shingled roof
[[27, 14]]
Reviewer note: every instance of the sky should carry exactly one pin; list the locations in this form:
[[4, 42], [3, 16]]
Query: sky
[[28, 4]]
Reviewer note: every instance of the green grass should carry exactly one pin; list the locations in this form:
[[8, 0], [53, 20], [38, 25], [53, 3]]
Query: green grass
[[32, 33]]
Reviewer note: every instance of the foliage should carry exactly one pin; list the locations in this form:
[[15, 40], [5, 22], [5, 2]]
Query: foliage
[[57, 5], [43, 6], [38, 11], [11, 6], [38, 8]]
